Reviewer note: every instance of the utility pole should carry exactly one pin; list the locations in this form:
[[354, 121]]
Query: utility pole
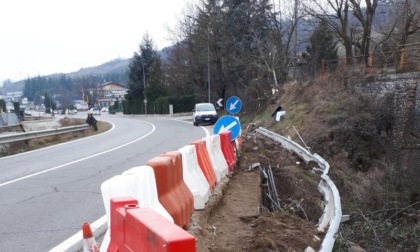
[[295, 17], [208, 62], [144, 90]]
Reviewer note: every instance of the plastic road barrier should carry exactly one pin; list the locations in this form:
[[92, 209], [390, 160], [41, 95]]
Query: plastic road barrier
[[178, 179], [216, 156], [170, 191], [204, 162], [194, 177], [139, 183], [142, 229], [146, 189], [227, 149]]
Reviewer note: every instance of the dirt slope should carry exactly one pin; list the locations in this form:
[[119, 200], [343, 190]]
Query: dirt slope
[[236, 221]]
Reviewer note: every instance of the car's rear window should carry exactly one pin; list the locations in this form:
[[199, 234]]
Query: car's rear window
[[205, 107]]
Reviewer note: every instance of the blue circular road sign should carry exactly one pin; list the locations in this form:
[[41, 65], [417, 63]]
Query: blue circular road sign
[[228, 123], [233, 105]]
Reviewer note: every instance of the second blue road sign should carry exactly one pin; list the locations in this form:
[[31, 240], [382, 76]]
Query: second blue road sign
[[233, 105]]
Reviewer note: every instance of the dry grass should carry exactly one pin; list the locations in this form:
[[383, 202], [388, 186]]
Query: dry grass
[[352, 133]]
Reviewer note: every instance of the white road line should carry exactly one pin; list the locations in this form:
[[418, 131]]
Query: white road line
[[77, 161], [76, 238], [179, 120]]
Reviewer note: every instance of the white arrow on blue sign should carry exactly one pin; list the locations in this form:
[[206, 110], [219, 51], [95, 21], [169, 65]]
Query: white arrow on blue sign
[[228, 123], [233, 105]]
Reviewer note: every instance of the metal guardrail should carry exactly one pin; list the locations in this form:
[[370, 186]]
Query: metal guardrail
[[332, 209], [14, 137], [288, 144]]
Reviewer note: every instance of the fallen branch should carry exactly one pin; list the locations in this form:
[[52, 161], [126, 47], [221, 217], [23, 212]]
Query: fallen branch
[[403, 209], [301, 208], [374, 231]]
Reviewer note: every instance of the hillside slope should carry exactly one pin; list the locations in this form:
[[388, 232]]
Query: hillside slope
[[346, 128]]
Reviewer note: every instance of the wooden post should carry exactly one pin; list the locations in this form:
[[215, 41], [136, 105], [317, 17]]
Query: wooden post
[[370, 63], [322, 69], [402, 58]]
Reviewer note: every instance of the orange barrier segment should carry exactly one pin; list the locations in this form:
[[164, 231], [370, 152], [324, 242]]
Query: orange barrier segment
[[142, 229], [169, 193], [178, 180], [117, 206], [228, 149], [205, 163]]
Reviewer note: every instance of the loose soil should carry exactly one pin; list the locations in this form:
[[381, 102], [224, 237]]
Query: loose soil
[[234, 218]]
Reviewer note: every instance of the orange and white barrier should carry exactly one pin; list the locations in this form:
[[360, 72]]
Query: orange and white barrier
[[172, 189], [217, 159], [142, 229], [139, 183], [168, 189], [178, 180], [228, 149], [194, 177], [204, 162]]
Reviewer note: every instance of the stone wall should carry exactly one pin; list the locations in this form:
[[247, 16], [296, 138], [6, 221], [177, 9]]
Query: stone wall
[[404, 90]]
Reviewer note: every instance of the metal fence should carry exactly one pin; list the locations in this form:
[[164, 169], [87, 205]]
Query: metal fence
[[405, 58]]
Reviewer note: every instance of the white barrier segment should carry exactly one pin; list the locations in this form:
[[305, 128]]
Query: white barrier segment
[[214, 149], [146, 189], [139, 183], [217, 145], [194, 177]]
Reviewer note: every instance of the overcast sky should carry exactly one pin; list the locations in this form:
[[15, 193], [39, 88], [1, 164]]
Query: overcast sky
[[41, 37]]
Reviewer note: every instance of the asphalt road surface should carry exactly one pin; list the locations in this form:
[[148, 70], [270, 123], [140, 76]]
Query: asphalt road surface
[[46, 195]]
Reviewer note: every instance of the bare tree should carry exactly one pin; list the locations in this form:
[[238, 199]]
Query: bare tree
[[410, 23], [365, 15], [335, 13]]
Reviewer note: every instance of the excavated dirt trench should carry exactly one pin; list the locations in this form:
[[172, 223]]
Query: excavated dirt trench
[[234, 218]]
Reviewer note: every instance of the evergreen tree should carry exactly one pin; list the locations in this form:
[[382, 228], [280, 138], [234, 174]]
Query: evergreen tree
[[16, 106], [156, 83], [323, 46], [47, 103], [37, 99], [3, 105], [138, 74]]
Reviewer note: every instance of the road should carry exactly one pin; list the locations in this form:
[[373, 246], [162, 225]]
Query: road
[[46, 195]]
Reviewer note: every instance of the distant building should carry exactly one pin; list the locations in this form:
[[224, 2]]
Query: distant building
[[81, 105], [109, 92], [13, 96]]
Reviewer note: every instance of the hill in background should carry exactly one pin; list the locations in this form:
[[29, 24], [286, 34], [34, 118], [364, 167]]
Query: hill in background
[[113, 66], [118, 65]]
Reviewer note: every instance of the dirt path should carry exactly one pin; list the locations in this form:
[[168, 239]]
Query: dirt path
[[234, 219]]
